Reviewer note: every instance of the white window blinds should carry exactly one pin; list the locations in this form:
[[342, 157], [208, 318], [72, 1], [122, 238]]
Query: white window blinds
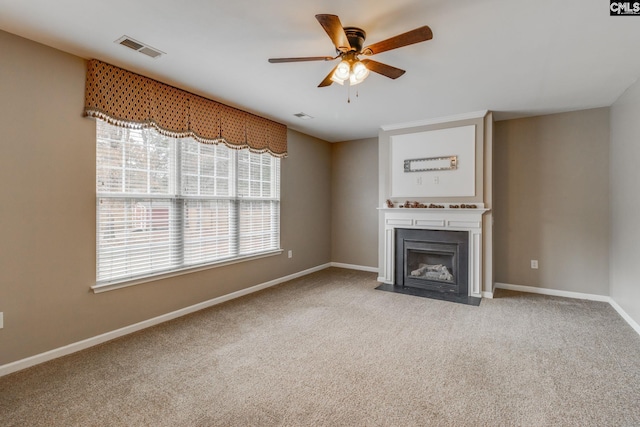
[[167, 204]]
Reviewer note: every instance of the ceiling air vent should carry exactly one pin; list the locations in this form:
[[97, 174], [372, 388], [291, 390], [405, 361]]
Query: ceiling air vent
[[139, 47], [150, 52]]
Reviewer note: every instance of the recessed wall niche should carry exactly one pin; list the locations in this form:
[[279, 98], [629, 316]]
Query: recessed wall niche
[[435, 163]]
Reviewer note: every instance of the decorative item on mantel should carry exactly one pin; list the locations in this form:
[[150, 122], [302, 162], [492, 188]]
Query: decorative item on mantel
[[417, 205]]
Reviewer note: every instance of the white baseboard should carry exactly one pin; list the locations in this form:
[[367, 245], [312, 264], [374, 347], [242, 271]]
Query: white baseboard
[[355, 267], [577, 295], [553, 292], [108, 336], [625, 316]]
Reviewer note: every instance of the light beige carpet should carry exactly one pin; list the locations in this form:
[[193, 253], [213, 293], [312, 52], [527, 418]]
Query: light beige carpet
[[329, 350]]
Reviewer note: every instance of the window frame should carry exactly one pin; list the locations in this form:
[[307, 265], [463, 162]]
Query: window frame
[[178, 197]]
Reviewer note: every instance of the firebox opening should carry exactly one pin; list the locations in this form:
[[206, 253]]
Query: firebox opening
[[437, 266]]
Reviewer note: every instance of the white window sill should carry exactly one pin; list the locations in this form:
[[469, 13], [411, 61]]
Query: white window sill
[[104, 287]]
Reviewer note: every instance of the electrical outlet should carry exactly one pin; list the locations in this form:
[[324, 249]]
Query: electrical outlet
[[290, 254], [534, 264]]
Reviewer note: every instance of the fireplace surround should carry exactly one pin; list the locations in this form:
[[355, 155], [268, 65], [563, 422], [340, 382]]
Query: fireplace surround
[[468, 221]]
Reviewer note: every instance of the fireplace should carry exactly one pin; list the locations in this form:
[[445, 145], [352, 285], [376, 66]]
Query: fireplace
[[434, 260], [436, 176], [450, 236]]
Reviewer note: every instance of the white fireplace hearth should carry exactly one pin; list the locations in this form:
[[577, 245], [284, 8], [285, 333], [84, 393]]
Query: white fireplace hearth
[[452, 219]]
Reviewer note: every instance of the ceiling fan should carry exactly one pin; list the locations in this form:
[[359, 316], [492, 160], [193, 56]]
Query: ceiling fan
[[348, 42]]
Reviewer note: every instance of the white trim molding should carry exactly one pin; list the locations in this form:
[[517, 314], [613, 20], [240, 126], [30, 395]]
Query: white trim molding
[[624, 315], [354, 267], [552, 292], [438, 120], [108, 336], [576, 295], [104, 287]]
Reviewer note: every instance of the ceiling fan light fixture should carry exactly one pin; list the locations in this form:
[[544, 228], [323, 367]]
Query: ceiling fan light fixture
[[336, 80], [353, 81], [342, 72], [359, 72]]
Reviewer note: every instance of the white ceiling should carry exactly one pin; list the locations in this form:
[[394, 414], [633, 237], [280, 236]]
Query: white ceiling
[[514, 57]]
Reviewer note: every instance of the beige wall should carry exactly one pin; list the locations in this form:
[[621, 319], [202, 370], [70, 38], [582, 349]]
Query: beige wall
[[625, 202], [551, 201], [354, 199], [47, 215]]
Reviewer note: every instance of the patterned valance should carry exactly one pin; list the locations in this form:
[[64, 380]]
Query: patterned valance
[[127, 99]]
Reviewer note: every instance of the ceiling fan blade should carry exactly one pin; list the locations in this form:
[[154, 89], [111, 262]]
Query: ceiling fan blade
[[384, 69], [410, 37], [327, 80], [333, 27], [303, 59]]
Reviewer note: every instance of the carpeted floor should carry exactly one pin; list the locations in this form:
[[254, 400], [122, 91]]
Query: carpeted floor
[[329, 350]]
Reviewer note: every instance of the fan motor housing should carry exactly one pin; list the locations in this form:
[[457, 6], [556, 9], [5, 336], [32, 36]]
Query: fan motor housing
[[356, 37]]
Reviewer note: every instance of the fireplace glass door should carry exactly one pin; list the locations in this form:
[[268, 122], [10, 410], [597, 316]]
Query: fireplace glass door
[[432, 259]]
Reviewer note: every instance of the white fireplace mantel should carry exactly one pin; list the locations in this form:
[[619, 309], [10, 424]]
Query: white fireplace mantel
[[453, 219]]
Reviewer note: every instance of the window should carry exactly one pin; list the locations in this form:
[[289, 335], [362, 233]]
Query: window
[[166, 204]]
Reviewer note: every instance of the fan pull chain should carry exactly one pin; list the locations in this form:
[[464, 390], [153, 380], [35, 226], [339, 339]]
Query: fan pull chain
[[349, 94]]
